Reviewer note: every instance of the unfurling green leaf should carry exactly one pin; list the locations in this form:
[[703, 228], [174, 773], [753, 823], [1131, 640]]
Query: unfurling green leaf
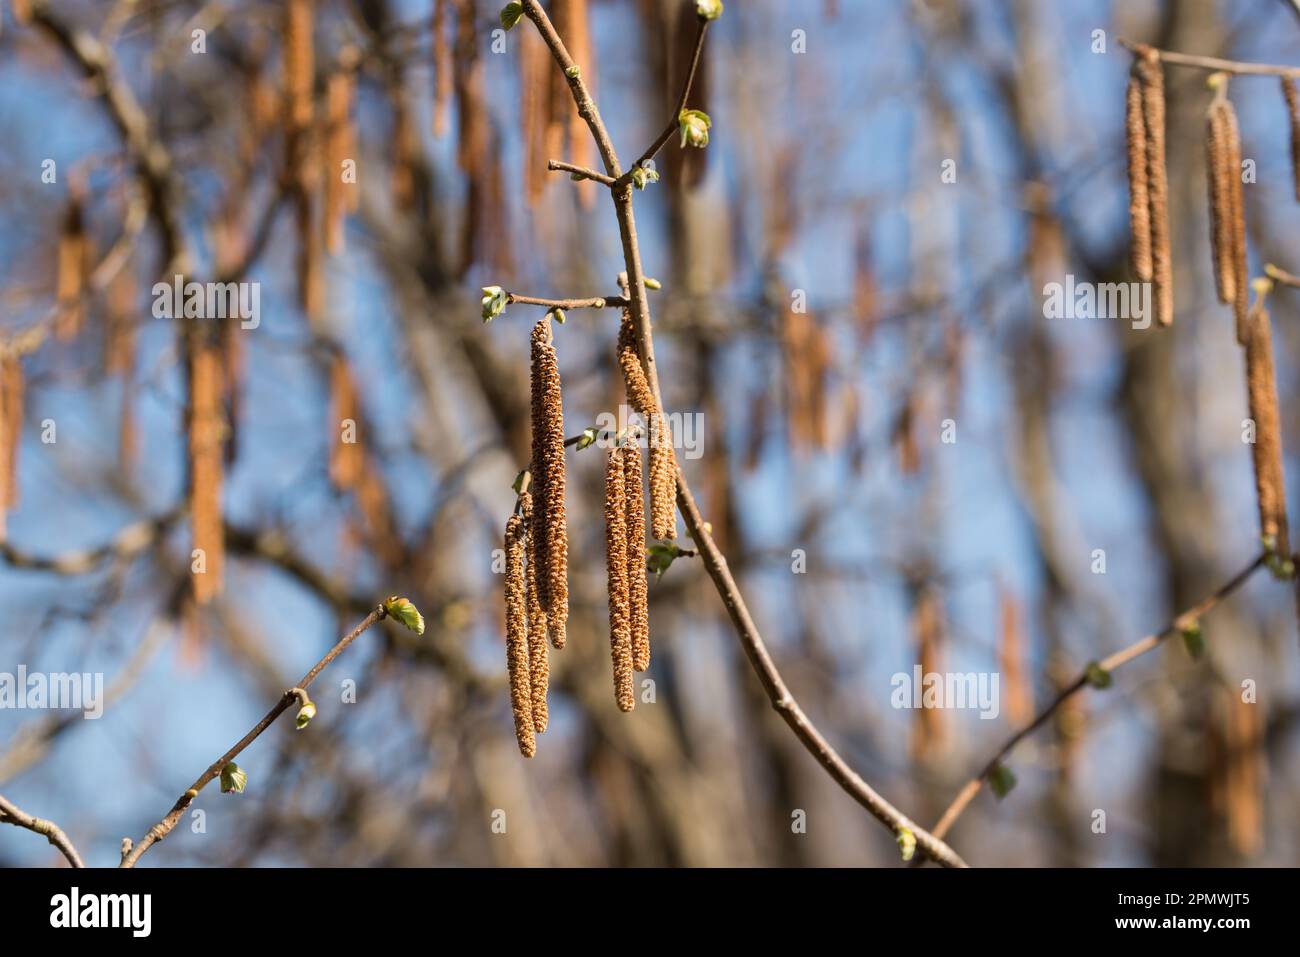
[[558, 315], [589, 436], [233, 779], [1001, 781], [906, 843], [494, 302], [708, 9], [511, 13], [1098, 676], [406, 613], [643, 176], [660, 556], [305, 714], [694, 126], [573, 72]]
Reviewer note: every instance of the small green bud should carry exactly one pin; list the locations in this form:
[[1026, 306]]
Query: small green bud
[[522, 481], [643, 176], [511, 13], [652, 283], [558, 315], [709, 10], [906, 843], [406, 613], [588, 439], [1001, 781], [1098, 677], [305, 714], [233, 779], [694, 126], [573, 72], [494, 302], [1193, 640]]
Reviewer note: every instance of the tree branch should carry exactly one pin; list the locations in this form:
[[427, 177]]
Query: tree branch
[[1213, 63], [595, 302], [671, 128], [580, 172], [165, 826], [1110, 664], [746, 631], [10, 814]]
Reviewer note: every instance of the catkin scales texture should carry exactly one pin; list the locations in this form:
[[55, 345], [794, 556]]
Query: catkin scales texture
[[1293, 117], [637, 585], [207, 429], [549, 525], [1139, 201], [1223, 210], [663, 462], [1270, 485], [517, 666], [1152, 80], [620, 630], [539, 667]]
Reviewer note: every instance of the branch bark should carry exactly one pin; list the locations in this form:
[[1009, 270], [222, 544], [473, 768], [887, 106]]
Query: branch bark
[[10, 814]]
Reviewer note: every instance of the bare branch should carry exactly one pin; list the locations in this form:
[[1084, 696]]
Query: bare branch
[[10, 814]]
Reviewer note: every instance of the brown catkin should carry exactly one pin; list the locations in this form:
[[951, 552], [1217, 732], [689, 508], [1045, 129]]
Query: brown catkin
[[1152, 79], [1270, 485], [1234, 205], [1218, 170], [206, 433], [539, 666], [299, 63], [637, 586], [11, 402], [1293, 114], [339, 140], [1139, 209], [549, 524], [521, 695], [346, 459], [620, 626], [663, 463], [442, 70], [73, 260]]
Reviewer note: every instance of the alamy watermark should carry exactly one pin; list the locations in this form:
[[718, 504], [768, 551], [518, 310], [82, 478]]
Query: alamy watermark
[[1130, 301], [208, 300], [686, 429], [56, 690], [932, 689]]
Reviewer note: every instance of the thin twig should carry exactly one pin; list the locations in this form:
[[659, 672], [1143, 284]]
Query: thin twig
[[580, 172], [1280, 275], [165, 826], [1215, 64], [9, 814], [1110, 664], [594, 302], [671, 128], [746, 631]]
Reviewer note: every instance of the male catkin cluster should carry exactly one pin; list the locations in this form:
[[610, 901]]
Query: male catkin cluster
[[663, 463], [1227, 211], [1270, 486], [549, 531], [207, 431], [1145, 128], [638, 588], [616, 543], [521, 694], [11, 423]]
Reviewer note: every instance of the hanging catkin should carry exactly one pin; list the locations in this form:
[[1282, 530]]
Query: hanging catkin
[[1153, 115], [549, 527], [299, 66], [72, 264], [1139, 200], [620, 626], [206, 430], [1293, 114], [345, 454], [441, 68], [637, 586], [1270, 486], [539, 666], [1218, 176], [1233, 204], [339, 140], [11, 401], [521, 696], [663, 463]]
